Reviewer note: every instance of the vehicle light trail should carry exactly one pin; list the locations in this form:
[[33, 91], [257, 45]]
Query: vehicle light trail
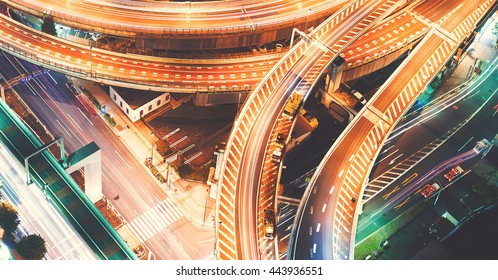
[[38, 215]]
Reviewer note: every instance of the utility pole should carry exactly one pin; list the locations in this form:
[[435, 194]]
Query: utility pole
[[152, 149], [205, 205]]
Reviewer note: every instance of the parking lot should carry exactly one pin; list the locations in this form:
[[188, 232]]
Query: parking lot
[[192, 131]]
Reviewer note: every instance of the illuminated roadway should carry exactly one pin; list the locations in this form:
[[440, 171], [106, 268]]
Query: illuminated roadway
[[168, 234], [38, 215], [456, 116], [328, 208], [184, 19], [250, 135], [181, 75], [138, 71]]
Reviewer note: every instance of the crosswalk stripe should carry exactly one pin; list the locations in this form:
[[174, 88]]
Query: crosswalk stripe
[[156, 220], [136, 232], [163, 218], [166, 213], [148, 220], [173, 206], [142, 228]]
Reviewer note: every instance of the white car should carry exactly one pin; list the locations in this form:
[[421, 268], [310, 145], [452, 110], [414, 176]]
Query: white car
[[359, 96]]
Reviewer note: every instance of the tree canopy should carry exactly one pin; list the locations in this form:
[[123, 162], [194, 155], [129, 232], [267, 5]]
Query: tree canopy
[[9, 218], [495, 29], [48, 26], [31, 247]]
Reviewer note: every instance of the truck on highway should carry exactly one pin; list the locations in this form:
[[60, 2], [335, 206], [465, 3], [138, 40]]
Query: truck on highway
[[293, 103], [482, 147], [269, 224]]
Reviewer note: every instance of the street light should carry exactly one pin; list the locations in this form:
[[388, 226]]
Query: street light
[[152, 149], [91, 63], [307, 18], [205, 205]]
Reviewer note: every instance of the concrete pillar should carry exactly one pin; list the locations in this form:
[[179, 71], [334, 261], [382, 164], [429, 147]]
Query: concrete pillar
[[88, 158], [333, 79], [93, 177], [220, 153]]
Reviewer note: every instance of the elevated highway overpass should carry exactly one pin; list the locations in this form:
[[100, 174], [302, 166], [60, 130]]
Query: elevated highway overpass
[[187, 25], [48, 174], [238, 214], [332, 202], [189, 75]]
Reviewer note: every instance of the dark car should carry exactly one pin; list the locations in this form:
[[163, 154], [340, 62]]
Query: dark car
[[280, 139], [72, 89]]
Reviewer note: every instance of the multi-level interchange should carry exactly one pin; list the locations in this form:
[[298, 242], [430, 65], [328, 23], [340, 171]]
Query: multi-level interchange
[[278, 55]]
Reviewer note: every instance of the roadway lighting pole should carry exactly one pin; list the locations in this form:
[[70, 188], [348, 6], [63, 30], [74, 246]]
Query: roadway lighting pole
[[439, 192], [91, 63], [238, 103], [152, 149], [307, 19], [167, 175], [205, 205], [466, 206]]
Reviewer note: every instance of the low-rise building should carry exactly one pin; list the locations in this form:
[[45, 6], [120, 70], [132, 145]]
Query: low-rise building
[[138, 103]]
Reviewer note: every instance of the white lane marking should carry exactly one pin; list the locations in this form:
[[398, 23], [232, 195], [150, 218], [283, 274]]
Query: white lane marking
[[318, 227], [331, 190], [85, 116], [387, 149], [50, 75], [340, 173], [103, 175], [384, 158], [122, 159], [465, 143], [324, 207], [69, 134], [75, 123], [394, 159]]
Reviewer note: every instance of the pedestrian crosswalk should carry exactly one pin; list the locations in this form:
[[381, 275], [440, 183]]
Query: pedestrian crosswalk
[[155, 220]]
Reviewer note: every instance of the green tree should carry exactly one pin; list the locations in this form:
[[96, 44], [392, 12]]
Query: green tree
[[31, 247], [9, 218], [495, 29], [48, 26]]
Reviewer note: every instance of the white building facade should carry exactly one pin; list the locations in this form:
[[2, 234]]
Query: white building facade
[[135, 112]]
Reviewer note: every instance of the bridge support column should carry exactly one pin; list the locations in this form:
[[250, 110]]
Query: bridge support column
[[333, 79], [88, 157]]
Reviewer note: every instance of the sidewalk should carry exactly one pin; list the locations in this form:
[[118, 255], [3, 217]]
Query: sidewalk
[[479, 49], [191, 197]]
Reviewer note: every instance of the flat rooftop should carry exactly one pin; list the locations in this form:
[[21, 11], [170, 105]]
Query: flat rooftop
[[136, 97]]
